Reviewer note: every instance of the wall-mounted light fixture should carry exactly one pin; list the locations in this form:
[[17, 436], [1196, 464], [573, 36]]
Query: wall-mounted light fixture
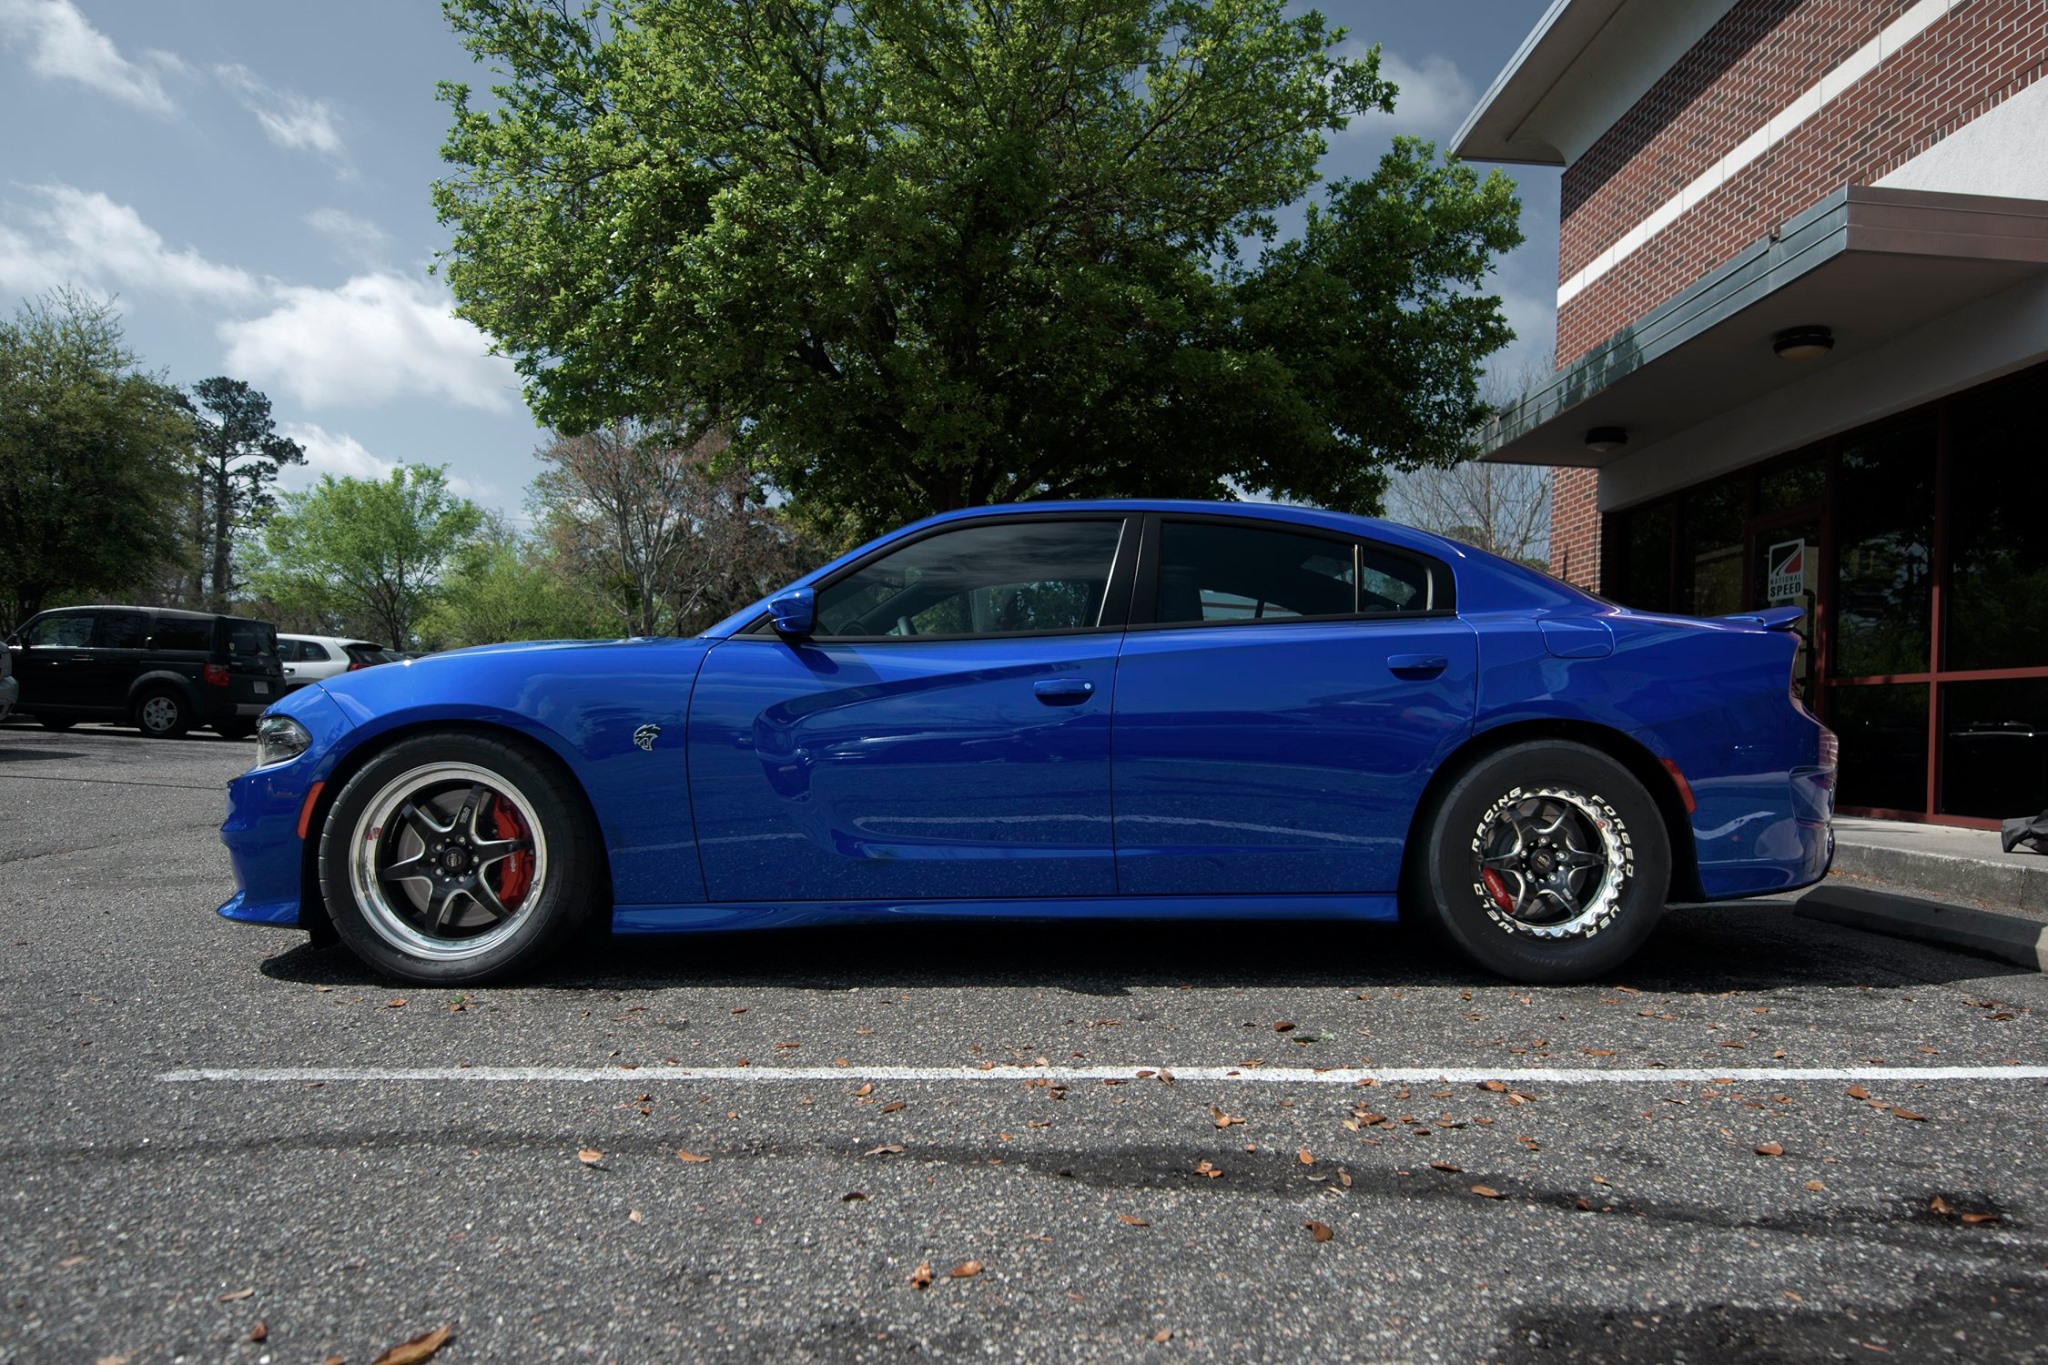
[[1600, 440], [1803, 343]]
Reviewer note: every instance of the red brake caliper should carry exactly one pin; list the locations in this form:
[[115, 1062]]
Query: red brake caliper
[[515, 874], [1497, 889]]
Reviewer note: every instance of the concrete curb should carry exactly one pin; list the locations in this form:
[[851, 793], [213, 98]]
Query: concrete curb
[[2008, 938], [2020, 884]]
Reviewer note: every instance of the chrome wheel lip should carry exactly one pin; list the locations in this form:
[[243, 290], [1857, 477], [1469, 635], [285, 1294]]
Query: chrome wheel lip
[[393, 922], [158, 713], [1614, 854]]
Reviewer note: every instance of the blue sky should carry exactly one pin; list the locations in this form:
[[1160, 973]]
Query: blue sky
[[249, 178]]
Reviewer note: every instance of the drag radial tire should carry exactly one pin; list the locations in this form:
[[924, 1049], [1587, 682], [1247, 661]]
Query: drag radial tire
[[1545, 862], [459, 858]]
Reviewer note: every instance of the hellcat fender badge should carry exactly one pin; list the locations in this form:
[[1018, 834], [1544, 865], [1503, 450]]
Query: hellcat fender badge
[[646, 735]]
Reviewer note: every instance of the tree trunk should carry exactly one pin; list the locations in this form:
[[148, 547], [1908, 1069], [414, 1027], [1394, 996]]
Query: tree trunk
[[221, 581]]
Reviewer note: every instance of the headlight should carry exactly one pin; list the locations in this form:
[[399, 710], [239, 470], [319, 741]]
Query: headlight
[[280, 739]]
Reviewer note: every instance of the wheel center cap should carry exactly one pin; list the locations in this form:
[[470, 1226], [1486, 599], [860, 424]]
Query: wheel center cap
[[455, 860], [1542, 863]]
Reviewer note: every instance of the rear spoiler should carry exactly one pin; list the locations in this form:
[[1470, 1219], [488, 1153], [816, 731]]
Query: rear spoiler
[[1770, 618]]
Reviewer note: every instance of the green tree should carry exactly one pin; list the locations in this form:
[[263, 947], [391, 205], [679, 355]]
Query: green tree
[[367, 550], [92, 457], [238, 453], [925, 254], [506, 586]]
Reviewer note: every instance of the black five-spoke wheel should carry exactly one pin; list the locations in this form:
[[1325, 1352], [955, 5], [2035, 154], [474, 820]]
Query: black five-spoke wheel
[[457, 858], [1545, 861]]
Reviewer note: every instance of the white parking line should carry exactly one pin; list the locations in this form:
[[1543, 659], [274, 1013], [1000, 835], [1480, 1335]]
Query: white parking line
[[1264, 1075]]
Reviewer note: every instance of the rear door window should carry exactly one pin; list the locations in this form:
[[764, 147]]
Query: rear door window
[[312, 652], [1217, 571], [121, 630], [248, 639]]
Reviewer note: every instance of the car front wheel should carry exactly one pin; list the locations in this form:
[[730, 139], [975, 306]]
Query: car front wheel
[[1545, 862], [457, 859]]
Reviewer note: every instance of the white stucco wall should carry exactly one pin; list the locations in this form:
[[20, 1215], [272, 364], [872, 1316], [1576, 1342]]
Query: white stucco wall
[[2003, 152]]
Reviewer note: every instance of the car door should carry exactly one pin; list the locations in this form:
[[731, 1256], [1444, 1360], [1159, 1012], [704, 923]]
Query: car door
[[943, 733], [119, 640], [1282, 697], [56, 651]]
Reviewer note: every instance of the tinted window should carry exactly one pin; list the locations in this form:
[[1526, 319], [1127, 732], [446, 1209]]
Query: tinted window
[[183, 633], [252, 637], [1214, 572], [312, 653], [73, 629], [1884, 552], [979, 580], [122, 630]]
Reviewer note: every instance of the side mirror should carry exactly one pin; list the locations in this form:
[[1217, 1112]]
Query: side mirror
[[794, 612]]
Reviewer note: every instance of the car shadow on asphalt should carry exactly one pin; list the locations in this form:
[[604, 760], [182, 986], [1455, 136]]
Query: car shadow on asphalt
[[1733, 947], [37, 755]]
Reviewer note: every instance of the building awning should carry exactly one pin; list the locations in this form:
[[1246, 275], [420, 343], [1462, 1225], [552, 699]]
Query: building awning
[[1869, 264]]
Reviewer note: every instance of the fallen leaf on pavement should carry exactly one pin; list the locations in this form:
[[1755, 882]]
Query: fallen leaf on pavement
[[921, 1277], [865, 1091], [260, 1332], [1162, 1336], [1909, 1114], [396, 1002], [1600, 1180], [1224, 1120], [1495, 1086], [1938, 1205], [237, 1295], [1815, 1185], [683, 1154], [421, 1347], [1319, 1231], [589, 1156], [1487, 1192], [1771, 1149], [1284, 1026], [1446, 1167], [1204, 1168], [1973, 1219], [1857, 1092], [1305, 1157], [633, 1216], [886, 1149], [1131, 1220], [892, 1106], [966, 1270], [850, 1196]]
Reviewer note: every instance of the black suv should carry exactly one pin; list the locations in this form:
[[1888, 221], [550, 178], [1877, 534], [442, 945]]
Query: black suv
[[161, 670]]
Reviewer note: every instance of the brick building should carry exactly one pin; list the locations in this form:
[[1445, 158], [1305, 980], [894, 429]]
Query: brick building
[[1802, 349]]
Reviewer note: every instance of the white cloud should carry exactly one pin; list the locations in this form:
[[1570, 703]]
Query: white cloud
[[375, 338], [83, 237], [356, 240], [290, 120], [334, 452], [1433, 100], [62, 45], [343, 456]]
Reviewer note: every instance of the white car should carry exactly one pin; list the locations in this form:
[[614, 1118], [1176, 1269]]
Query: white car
[[312, 658]]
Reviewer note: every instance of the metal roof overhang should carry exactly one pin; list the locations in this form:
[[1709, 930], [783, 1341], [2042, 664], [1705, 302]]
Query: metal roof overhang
[[1871, 264]]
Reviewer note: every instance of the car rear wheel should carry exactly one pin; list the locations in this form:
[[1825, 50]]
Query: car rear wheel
[[162, 714], [457, 859], [1545, 862]]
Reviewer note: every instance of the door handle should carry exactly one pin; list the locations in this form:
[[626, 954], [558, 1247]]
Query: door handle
[[1064, 691], [1416, 665]]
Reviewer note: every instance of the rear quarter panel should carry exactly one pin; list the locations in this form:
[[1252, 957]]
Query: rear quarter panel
[[1711, 698]]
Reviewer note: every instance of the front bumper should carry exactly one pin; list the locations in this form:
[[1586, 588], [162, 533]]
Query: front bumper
[[262, 826]]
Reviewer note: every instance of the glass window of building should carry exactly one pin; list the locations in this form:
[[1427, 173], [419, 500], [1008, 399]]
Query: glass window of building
[[1884, 550]]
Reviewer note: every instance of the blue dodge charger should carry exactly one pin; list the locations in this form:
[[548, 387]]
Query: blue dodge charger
[[1074, 710]]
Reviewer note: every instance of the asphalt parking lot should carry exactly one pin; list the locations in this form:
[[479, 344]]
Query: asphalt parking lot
[[1766, 1139]]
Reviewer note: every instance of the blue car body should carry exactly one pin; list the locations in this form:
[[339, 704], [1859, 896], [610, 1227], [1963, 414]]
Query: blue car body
[[741, 778]]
